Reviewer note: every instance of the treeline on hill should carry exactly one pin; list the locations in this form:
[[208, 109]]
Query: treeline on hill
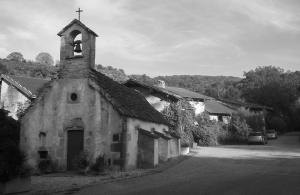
[[16, 64], [213, 86], [44, 67], [39, 70], [27, 69]]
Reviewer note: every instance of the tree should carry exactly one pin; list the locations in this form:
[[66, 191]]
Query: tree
[[16, 56], [114, 73], [3, 69], [10, 128], [273, 87], [45, 58], [181, 117]]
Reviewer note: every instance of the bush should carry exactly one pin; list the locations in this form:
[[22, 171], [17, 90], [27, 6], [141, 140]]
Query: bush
[[186, 139], [208, 132], [12, 161], [10, 128], [47, 166], [277, 123], [254, 120], [99, 165], [181, 117], [237, 131], [82, 162]]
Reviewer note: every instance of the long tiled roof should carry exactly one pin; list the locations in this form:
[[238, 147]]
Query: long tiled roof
[[215, 107], [127, 101], [26, 85], [236, 104], [175, 92], [134, 83], [185, 93]]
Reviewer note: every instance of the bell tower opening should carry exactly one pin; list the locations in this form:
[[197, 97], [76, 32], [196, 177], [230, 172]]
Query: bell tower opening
[[77, 42]]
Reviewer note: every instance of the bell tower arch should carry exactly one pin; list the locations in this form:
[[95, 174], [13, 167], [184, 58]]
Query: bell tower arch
[[77, 50]]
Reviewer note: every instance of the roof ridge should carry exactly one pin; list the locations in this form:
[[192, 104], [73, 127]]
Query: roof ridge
[[28, 77], [18, 85], [79, 23]]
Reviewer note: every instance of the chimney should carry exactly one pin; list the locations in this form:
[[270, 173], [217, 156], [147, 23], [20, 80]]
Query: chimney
[[161, 84]]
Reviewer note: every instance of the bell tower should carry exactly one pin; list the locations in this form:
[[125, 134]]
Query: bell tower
[[77, 50]]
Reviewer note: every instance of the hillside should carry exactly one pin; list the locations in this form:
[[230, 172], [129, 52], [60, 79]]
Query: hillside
[[37, 70], [27, 68], [214, 86]]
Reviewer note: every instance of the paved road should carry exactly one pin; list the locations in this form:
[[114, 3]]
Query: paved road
[[256, 169]]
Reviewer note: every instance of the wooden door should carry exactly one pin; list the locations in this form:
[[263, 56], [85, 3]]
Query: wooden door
[[74, 148]]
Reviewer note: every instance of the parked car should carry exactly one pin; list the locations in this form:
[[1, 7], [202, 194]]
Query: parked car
[[257, 137], [271, 134]]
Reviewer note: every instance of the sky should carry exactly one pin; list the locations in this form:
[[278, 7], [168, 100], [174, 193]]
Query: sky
[[163, 37]]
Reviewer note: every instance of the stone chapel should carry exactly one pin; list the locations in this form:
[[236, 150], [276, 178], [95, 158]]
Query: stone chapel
[[84, 110]]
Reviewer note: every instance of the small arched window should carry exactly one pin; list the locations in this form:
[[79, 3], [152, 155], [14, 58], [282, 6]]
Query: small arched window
[[76, 42], [42, 139]]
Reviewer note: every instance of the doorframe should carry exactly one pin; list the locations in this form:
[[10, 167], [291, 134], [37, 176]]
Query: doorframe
[[66, 130]]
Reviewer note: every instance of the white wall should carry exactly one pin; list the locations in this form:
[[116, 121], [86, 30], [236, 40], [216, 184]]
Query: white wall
[[157, 103], [198, 106], [213, 117], [132, 139], [11, 98], [225, 119]]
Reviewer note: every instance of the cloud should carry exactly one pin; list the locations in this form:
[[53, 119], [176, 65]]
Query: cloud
[[2, 37], [3, 52], [268, 12], [21, 34], [163, 36]]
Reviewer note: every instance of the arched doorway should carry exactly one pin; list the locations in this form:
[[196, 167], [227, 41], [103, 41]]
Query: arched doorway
[[75, 140], [74, 147]]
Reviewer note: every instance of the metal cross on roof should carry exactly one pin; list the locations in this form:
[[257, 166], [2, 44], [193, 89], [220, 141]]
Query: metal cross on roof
[[79, 10]]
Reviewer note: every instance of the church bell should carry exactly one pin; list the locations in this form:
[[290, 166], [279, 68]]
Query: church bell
[[77, 46]]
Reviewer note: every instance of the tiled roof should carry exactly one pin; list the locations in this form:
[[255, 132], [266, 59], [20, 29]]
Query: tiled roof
[[80, 24], [236, 104], [215, 107], [26, 85], [127, 101], [157, 90], [185, 93], [175, 92]]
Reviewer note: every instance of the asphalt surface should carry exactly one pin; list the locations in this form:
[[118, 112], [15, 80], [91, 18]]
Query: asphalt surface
[[255, 169]]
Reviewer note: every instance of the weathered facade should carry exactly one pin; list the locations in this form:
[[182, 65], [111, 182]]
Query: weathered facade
[[83, 110]]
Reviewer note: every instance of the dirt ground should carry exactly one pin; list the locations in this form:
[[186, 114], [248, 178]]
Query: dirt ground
[[69, 183]]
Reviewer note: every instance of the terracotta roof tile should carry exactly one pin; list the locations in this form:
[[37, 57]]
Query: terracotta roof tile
[[214, 107], [185, 93], [27, 85], [127, 101]]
